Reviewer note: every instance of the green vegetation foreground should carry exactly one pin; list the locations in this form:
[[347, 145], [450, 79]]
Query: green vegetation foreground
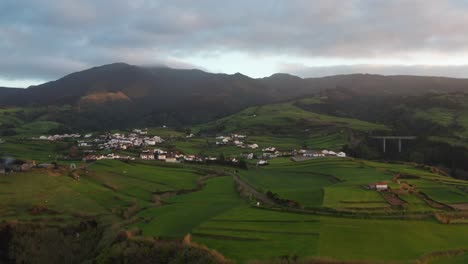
[[131, 202]]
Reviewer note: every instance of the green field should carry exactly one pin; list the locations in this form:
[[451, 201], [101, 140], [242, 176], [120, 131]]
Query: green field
[[339, 184], [41, 151], [441, 116], [246, 233], [337, 218], [123, 194], [290, 126]]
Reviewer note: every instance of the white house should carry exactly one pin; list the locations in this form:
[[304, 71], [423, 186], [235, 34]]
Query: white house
[[147, 156], [84, 144], [160, 151], [150, 142], [252, 146], [341, 155], [171, 159], [379, 186], [269, 149], [262, 162], [313, 154]]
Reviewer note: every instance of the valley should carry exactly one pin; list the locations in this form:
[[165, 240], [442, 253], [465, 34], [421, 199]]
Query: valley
[[308, 210], [299, 179]]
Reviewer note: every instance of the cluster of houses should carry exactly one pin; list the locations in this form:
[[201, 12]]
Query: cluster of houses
[[58, 137], [120, 141], [111, 156], [235, 140], [174, 157], [139, 139], [322, 153], [13, 166]]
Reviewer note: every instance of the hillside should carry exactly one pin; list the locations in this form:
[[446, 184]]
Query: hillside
[[288, 126], [161, 95], [284, 118]]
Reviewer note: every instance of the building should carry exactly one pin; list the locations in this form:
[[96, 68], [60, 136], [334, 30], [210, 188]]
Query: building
[[89, 158], [262, 162], [379, 186], [341, 155], [171, 159], [269, 149], [147, 155], [313, 154], [269, 155], [252, 146]]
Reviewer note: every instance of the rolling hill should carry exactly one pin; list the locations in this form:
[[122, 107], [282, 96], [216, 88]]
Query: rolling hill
[[161, 95]]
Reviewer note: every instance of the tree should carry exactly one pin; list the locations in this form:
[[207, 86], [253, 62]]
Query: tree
[[243, 164], [74, 152]]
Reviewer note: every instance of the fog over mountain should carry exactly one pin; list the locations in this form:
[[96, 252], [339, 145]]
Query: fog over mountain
[[44, 40]]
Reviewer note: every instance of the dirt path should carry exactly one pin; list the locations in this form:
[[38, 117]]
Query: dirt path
[[258, 195]]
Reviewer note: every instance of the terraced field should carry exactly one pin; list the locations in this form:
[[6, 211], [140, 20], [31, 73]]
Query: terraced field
[[248, 233], [109, 187], [41, 151], [288, 127], [339, 184], [171, 201]]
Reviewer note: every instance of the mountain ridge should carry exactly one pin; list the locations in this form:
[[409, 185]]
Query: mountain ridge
[[187, 96]]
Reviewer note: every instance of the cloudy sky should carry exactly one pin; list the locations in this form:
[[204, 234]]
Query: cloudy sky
[[42, 40]]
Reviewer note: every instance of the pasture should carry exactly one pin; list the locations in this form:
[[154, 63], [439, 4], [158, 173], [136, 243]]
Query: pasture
[[166, 201], [340, 184], [246, 233], [283, 119]]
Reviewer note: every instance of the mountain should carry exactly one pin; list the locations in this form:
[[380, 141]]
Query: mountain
[[7, 93], [121, 95]]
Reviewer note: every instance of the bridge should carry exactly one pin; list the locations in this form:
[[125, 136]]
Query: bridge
[[399, 138]]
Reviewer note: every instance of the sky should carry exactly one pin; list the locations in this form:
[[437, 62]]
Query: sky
[[43, 40]]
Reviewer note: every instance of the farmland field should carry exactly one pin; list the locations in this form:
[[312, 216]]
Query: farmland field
[[123, 193], [340, 184], [336, 216]]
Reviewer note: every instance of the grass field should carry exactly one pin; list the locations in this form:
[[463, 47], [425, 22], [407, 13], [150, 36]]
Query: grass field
[[185, 212], [217, 217], [124, 194], [290, 126], [339, 184], [441, 116], [247, 233], [108, 187], [333, 183], [25, 149]]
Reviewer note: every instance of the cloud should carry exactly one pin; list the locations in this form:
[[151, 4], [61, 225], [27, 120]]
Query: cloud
[[455, 71], [45, 39]]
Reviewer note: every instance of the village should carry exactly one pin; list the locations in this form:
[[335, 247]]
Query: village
[[143, 146], [139, 145]]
